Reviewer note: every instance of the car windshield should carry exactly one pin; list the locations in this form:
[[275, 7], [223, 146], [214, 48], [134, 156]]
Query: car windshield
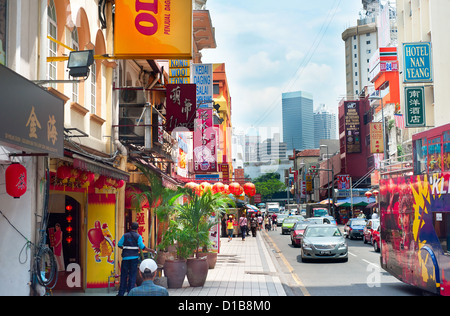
[[323, 232], [358, 223]]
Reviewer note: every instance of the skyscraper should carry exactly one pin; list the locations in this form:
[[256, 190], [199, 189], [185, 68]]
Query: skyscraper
[[298, 120], [324, 125]]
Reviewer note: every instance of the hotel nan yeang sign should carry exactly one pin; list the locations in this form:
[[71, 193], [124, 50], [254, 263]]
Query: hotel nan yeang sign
[[417, 62], [153, 29]]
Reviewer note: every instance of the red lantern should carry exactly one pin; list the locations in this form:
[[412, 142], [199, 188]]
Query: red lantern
[[234, 188], [205, 186], [16, 180], [69, 239], [64, 173], [69, 229], [249, 189], [218, 187], [119, 184], [368, 194], [375, 192]]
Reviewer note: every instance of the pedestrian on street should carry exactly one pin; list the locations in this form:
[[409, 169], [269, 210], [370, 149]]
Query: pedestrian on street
[[260, 221], [130, 243], [147, 270], [230, 227], [253, 224], [243, 225], [274, 221]]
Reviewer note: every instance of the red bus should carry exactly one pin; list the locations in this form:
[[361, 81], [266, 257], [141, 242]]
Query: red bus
[[415, 213]]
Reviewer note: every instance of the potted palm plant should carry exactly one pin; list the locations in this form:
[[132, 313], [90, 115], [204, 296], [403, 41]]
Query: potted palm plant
[[195, 216]]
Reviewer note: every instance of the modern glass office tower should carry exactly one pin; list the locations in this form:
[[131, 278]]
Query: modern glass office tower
[[298, 120], [324, 126]]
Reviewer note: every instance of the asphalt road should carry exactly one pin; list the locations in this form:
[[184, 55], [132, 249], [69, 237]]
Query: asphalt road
[[362, 275]]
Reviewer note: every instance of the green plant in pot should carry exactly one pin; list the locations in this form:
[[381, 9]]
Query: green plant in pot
[[195, 217]]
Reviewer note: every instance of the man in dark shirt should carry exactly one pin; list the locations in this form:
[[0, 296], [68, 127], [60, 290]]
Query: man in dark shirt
[[147, 269]]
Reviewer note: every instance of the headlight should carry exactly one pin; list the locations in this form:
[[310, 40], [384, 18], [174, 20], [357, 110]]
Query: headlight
[[342, 245]]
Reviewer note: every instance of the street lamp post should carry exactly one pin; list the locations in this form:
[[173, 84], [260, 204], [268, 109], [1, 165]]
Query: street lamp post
[[328, 182]]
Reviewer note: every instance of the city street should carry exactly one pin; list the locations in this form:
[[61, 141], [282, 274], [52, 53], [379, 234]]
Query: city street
[[361, 275]]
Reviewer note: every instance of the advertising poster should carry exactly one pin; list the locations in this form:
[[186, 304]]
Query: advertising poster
[[101, 231], [376, 138]]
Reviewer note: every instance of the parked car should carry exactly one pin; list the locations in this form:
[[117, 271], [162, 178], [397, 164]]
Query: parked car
[[289, 222], [372, 225], [354, 228], [323, 242], [331, 219], [376, 241], [297, 233]]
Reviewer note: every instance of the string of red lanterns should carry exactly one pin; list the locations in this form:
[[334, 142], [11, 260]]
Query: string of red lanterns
[[233, 188]]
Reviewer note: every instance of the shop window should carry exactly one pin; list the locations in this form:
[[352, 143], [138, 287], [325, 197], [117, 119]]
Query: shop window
[[434, 155], [52, 46], [420, 156], [441, 221]]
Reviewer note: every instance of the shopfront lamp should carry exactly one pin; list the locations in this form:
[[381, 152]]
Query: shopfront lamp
[[79, 63]]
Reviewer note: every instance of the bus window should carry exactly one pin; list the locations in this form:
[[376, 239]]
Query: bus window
[[441, 221], [446, 155], [420, 157], [434, 155]]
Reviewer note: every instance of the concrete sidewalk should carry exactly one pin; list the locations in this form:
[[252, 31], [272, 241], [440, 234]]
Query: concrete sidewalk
[[244, 268]]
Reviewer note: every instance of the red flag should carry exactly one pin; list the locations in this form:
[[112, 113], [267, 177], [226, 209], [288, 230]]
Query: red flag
[[399, 121]]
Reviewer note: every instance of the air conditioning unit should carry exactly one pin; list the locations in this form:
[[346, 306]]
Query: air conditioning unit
[[132, 96]]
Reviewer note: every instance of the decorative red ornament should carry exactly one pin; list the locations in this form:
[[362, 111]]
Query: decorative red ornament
[[69, 229], [16, 180], [64, 173], [205, 186], [101, 182], [69, 208], [234, 188], [218, 187], [69, 218], [249, 189], [69, 239], [368, 194], [119, 184], [375, 192]]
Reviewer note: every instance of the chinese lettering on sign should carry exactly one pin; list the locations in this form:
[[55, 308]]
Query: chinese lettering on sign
[[205, 142], [415, 107], [181, 104]]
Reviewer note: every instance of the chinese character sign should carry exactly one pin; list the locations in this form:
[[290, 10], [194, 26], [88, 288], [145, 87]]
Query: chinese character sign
[[203, 77], [205, 155], [376, 138], [181, 104], [343, 182], [415, 107]]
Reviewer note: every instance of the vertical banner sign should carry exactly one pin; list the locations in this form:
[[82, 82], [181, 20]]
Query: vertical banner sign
[[157, 29], [376, 138], [415, 107], [101, 223], [205, 155], [183, 151], [202, 75], [181, 104], [352, 127], [417, 62]]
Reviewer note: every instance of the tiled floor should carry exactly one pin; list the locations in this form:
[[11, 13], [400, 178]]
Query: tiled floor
[[244, 268]]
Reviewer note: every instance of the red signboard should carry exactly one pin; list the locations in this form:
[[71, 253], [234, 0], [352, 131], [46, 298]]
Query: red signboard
[[343, 182], [181, 105]]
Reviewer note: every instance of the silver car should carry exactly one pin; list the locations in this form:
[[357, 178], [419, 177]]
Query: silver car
[[323, 242]]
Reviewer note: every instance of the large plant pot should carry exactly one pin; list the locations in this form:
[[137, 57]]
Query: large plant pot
[[211, 257], [175, 271], [197, 271]]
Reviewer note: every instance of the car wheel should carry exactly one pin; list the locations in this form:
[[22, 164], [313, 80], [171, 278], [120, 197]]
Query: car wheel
[[376, 247]]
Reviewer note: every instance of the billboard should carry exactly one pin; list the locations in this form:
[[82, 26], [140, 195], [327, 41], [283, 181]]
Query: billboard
[[352, 127], [181, 104], [159, 29], [202, 75]]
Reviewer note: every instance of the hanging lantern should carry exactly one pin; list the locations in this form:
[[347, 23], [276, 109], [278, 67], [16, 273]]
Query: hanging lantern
[[69, 229], [218, 187], [69, 239], [69, 218], [205, 186], [375, 192], [64, 173], [16, 180], [249, 189], [226, 189], [368, 194], [119, 184], [234, 188]]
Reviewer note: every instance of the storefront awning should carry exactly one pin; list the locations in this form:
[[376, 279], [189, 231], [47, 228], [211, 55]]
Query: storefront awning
[[86, 164]]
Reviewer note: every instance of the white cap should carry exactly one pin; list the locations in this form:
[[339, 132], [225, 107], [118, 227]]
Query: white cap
[[149, 264]]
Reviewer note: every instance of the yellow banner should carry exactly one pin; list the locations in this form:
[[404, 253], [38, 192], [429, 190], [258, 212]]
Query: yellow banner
[[153, 29]]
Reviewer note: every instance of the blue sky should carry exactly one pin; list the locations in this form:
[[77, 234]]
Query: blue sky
[[270, 47]]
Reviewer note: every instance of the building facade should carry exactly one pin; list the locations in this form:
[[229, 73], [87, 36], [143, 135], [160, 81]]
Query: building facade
[[324, 126]]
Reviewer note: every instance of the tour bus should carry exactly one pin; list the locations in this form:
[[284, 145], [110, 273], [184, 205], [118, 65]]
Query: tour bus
[[415, 213]]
